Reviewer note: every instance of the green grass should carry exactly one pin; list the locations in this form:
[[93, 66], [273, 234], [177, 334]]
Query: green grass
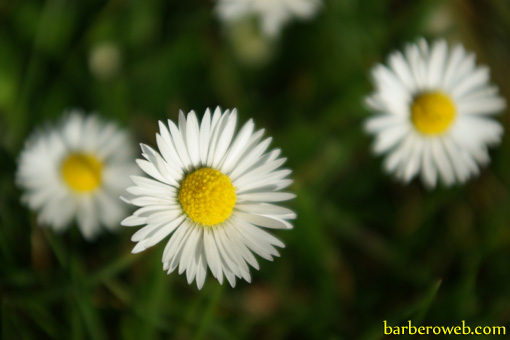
[[364, 248]]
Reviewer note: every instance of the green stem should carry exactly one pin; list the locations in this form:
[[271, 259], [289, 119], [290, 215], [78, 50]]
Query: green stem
[[58, 249], [203, 326]]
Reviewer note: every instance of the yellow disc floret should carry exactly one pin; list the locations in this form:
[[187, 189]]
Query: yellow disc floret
[[432, 113], [207, 196], [81, 172]]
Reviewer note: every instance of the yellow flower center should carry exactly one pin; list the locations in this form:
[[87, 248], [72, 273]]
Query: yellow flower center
[[207, 196], [81, 172], [432, 113]]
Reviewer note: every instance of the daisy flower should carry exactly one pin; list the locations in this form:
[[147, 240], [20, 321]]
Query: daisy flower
[[214, 193], [273, 14], [434, 113], [77, 170]]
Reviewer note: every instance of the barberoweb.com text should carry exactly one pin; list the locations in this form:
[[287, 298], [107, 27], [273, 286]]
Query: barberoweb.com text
[[462, 329]]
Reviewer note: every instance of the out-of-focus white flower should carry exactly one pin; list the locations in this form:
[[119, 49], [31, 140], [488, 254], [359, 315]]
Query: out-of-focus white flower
[[434, 113], [105, 60], [214, 193], [272, 14], [77, 171]]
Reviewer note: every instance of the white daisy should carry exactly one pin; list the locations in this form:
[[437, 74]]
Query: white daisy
[[273, 14], [213, 193], [77, 170], [434, 110]]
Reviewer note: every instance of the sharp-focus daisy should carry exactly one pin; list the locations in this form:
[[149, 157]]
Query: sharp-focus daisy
[[77, 170], [213, 192], [435, 110], [273, 14]]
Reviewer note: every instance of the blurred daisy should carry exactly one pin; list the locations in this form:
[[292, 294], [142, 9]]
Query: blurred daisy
[[213, 192], [77, 170], [434, 110], [273, 14]]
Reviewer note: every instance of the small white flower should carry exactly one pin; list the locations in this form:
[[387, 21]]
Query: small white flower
[[435, 110], [273, 14], [77, 170], [213, 192]]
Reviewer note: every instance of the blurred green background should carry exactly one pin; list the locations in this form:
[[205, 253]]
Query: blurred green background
[[364, 248]]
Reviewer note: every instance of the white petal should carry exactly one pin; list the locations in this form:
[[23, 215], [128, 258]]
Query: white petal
[[414, 159], [429, 173], [180, 146], [232, 255], [150, 209], [193, 139], [481, 106], [211, 252], [267, 209], [179, 248], [265, 165], [133, 220], [230, 268], [265, 197], [438, 58], [151, 200], [172, 160], [471, 82], [245, 245], [163, 216], [381, 123], [238, 145], [142, 233], [205, 133], [164, 231], [189, 252], [261, 235], [150, 169], [456, 56], [265, 221], [388, 80], [263, 249], [399, 154], [416, 62], [390, 137], [461, 171], [167, 147], [247, 183], [224, 139], [175, 241], [164, 169], [216, 131], [86, 217], [442, 162], [201, 271], [251, 158], [465, 68], [402, 70]]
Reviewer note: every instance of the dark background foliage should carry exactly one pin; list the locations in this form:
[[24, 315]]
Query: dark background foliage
[[364, 248]]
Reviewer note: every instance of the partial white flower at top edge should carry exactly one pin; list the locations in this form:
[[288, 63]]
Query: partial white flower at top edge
[[272, 14], [76, 171], [214, 192], [434, 113]]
